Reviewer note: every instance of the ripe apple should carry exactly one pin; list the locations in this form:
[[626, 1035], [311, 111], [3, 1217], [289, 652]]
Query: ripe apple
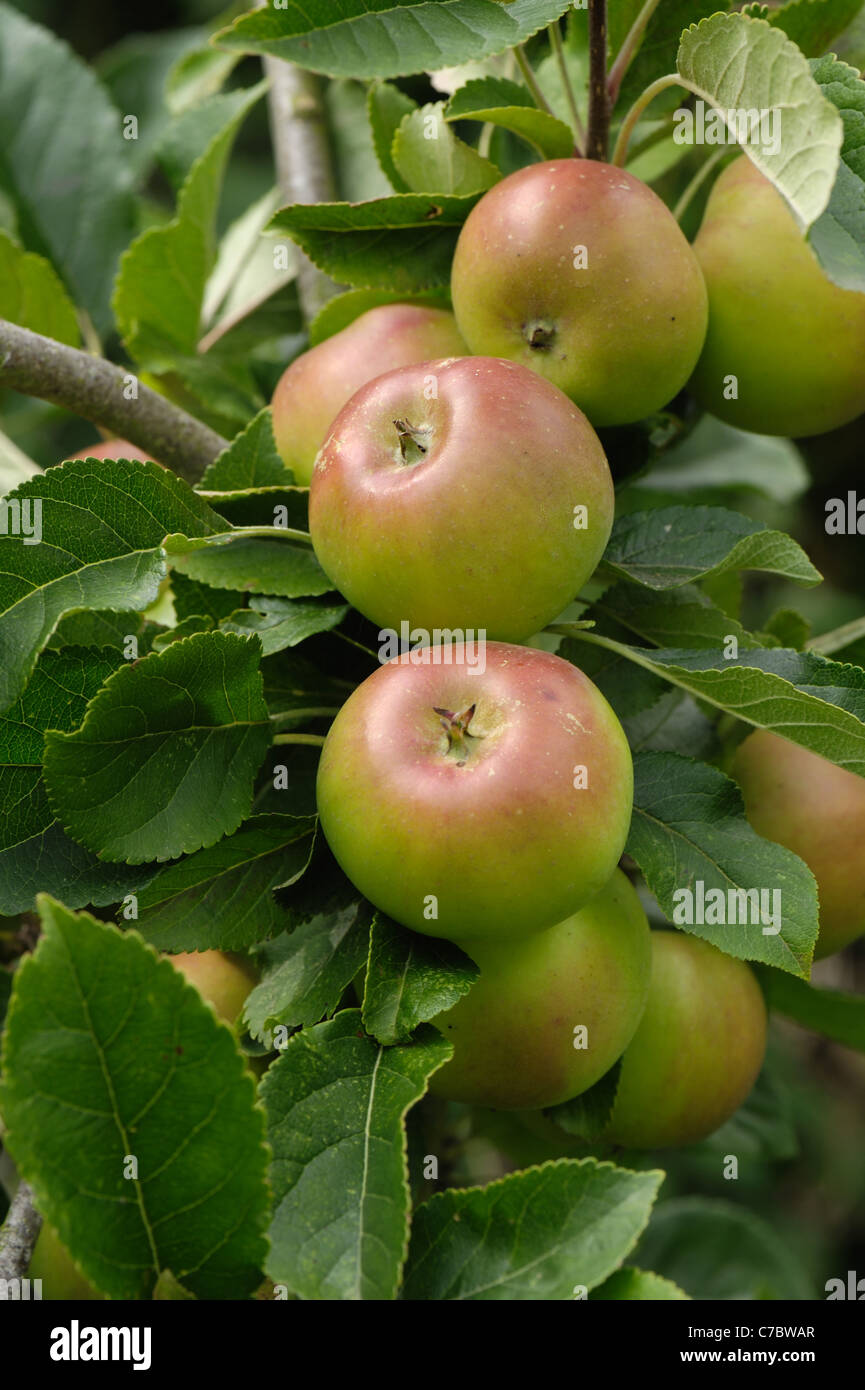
[[817, 810], [62, 1280], [112, 449], [697, 1050], [222, 978], [476, 805], [517, 1036], [794, 341], [464, 493], [578, 270], [314, 388]]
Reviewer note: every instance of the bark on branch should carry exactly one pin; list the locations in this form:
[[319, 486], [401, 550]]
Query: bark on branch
[[19, 1234], [597, 146], [97, 390]]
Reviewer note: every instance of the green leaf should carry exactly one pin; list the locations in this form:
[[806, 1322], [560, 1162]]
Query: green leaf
[[104, 523], [196, 76], [716, 456], [109, 1055], [432, 159], [688, 828], [357, 171], [386, 106], [410, 979], [160, 289], [245, 275], [685, 615], [671, 546], [250, 565], [285, 507], [221, 899], [281, 623], [404, 243], [538, 1235], [838, 235], [313, 966], [407, 36], [169, 1290], [838, 1016], [187, 628], [631, 1285], [507, 104], [191, 599], [339, 1173], [588, 1115], [656, 55], [33, 295], [164, 762], [718, 1250], [344, 308], [104, 629], [69, 180], [740, 64], [813, 24], [35, 854], [673, 724]]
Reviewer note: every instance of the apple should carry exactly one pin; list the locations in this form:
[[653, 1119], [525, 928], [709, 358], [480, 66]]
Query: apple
[[463, 493], [516, 1034], [793, 340], [697, 1049], [222, 978], [476, 804], [314, 388], [817, 810], [62, 1280], [578, 270], [112, 449]]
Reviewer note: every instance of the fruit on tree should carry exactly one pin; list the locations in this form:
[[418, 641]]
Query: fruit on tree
[[314, 388], [466, 493], [476, 804], [817, 810], [578, 270], [60, 1275], [112, 449], [793, 340], [550, 1014], [222, 978], [697, 1049]]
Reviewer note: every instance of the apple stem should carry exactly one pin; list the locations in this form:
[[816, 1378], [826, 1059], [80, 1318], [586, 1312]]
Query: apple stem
[[456, 726], [411, 440], [628, 50]]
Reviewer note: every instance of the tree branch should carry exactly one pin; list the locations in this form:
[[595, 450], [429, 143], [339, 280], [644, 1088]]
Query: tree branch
[[19, 1234], [304, 168], [98, 390], [597, 146]]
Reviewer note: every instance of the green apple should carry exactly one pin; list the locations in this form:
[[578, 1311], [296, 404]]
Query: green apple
[[549, 1015], [314, 388], [697, 1050], [223, 979], [476, 803], [62, 1280], [578, 270], [817, 810], [466, 493], [793, 340]]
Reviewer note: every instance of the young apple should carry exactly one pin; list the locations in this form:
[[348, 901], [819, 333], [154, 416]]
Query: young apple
[[578, 270], [550, 1015], [313, 389], [466, 493], [224, 979], [476, 804]]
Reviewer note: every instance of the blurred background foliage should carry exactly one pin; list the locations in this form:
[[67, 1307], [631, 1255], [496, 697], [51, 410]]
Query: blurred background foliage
[[801, 1138]]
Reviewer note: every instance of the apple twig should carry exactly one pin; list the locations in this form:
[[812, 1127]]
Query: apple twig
[[98, 390], [620, 154], [558, 49], [19, 1234], [597, 145]]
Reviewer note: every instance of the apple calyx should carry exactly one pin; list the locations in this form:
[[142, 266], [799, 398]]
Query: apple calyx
[[539, 334], [456, 726], [414, 440]]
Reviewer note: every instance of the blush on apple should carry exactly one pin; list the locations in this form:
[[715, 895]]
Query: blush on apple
[[474, 804]]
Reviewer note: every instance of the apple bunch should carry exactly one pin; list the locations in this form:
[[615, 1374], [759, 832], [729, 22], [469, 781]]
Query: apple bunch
[[480, 791]]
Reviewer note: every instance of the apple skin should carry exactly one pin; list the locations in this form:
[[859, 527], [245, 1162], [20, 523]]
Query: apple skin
[[222, 978], [513, 1034], [620, 337], [62, 1280], [314, 388], [794, 340], [113, 449], [493, 827], [817, 810], [479, 532], [697, 1050]]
